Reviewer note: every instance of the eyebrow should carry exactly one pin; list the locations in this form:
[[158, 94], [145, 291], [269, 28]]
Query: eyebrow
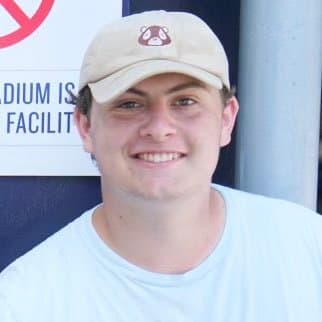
[[179, 87]]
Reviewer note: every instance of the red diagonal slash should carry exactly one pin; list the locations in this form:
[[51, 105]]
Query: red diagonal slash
[[15, 11], [27, 24]]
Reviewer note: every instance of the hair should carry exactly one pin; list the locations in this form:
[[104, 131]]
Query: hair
[[83, 101], [227, 94]]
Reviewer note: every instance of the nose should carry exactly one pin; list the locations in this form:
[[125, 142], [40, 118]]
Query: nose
[[159, 124]]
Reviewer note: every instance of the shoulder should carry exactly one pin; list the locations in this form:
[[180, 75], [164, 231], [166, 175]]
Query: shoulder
[[56, 246], [42, 269], [263, 205], [274, 218], [283, 228]]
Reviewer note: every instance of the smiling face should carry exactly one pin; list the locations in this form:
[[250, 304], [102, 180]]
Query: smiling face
[[160, 139]]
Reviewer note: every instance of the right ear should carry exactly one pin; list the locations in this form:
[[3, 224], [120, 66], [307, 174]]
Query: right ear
[[83, 126]]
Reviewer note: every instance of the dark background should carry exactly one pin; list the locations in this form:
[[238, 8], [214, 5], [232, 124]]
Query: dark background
[[32, 208]]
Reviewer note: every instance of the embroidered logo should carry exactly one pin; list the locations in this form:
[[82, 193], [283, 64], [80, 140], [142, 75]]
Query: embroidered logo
[[154, 36]]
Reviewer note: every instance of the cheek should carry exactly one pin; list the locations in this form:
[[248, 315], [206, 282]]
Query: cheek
[[209, 128], [208, 141], [111, 137]]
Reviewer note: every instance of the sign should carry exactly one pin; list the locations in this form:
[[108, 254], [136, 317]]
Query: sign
[[26, 25], [42, 43]]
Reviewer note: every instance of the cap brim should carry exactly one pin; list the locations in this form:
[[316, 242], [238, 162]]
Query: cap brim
[[114, 85]]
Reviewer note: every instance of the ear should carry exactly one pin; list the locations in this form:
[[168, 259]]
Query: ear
[[83, 126], [143, 28], [229, 115]]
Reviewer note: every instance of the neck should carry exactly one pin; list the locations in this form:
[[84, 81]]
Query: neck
[[164, 237]]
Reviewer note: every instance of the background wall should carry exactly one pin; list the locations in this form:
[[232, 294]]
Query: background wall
[[32, 208]]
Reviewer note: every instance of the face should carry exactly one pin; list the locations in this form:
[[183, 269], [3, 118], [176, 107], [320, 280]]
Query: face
[[160, 139]]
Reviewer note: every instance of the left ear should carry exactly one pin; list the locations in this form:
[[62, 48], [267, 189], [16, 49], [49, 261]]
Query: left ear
[[83, 126], [229, 115]]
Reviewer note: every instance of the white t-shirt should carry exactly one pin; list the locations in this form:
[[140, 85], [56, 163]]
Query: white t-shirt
[[267, 267]]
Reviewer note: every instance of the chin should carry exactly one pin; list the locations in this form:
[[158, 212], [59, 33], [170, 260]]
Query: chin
[[154, 194], [165, 191]]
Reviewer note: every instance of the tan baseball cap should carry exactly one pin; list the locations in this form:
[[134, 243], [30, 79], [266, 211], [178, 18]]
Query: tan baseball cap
[[142, 45]]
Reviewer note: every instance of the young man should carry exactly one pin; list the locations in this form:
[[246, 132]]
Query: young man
[[154, 109]]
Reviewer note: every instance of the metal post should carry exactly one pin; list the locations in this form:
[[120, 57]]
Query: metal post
[[279, 90]]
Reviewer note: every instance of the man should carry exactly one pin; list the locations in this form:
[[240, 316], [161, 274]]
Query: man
[[153, 110]]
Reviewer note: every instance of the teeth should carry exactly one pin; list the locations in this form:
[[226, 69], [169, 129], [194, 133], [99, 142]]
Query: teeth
[[159, 157]]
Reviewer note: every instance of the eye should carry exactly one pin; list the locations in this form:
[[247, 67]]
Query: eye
[[162, 34], [128, 105], [184, 101], [147, 34]]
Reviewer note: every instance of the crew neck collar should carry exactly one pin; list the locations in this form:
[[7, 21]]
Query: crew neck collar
[[113, 261]]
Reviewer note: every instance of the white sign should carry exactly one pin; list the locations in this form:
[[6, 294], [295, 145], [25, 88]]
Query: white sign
[[42, 43]]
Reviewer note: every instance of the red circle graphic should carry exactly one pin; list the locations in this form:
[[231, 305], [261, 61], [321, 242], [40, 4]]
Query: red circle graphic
[[27, 25]]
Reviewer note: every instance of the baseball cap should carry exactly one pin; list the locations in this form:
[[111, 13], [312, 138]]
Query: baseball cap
[[142, 45]]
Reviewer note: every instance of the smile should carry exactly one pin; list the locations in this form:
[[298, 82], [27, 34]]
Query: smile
[[159, 157]]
